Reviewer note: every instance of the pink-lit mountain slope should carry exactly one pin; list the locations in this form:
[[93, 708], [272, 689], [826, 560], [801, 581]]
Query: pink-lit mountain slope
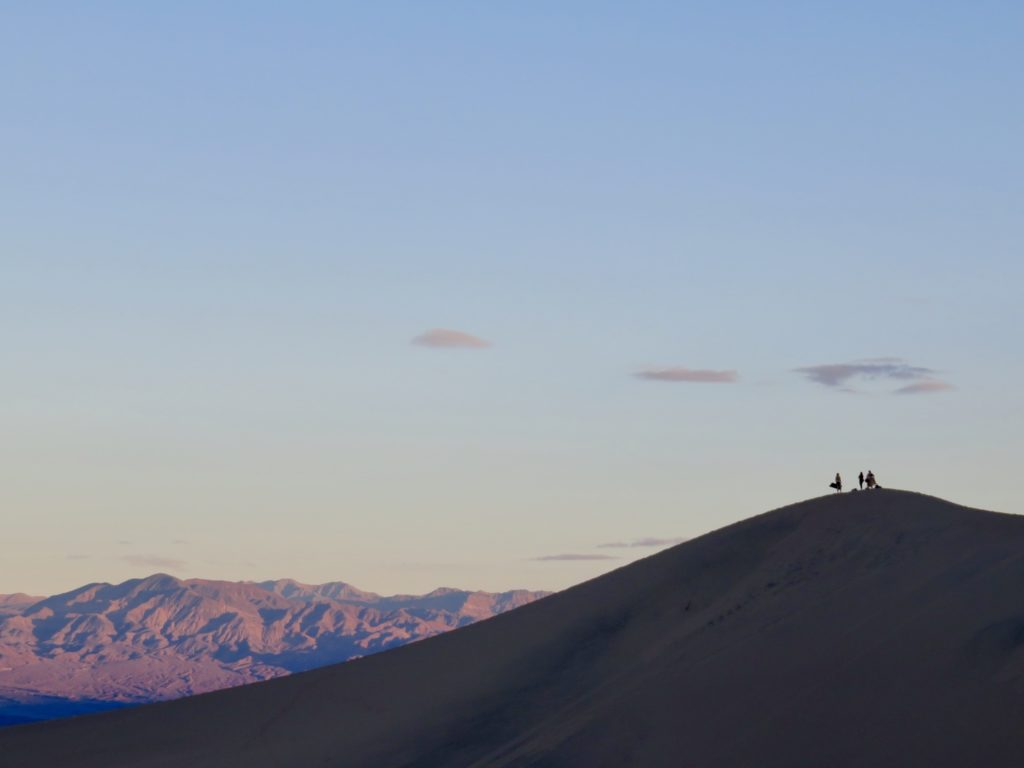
[[16, 603], [160, 637]]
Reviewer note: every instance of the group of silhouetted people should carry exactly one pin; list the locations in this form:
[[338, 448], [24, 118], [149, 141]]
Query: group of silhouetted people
[[868, 479]]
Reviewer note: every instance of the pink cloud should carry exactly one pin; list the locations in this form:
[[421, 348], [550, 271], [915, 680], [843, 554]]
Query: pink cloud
[[924, 387], [687, 374], [838, 374], [447, 338], [154, 561], [647, 542]]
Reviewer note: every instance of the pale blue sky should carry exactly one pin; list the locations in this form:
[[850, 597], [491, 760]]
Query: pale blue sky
[[221, 228]]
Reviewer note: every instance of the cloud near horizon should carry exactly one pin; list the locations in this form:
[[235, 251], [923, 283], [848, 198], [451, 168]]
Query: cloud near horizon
[[571, 557], [687, 374], [446, 338], [154, 561], [840, 375], [646, 542]]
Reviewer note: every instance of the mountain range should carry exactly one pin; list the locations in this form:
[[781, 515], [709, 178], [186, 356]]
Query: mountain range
[[106, 645]]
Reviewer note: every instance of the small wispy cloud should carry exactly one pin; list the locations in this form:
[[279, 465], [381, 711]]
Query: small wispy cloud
[[545, 558], [449, 339], [925, 387], [695, 375], [77, 556], [648, 542], [840, 376], [154, 561]]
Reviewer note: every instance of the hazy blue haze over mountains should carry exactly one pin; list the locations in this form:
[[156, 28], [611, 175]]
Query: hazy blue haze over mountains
[[103, 645]]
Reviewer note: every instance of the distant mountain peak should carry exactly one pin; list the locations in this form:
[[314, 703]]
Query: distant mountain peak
[[441, 591], [158, 581]]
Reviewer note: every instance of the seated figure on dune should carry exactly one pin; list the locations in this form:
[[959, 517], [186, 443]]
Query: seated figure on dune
[[870, 480]]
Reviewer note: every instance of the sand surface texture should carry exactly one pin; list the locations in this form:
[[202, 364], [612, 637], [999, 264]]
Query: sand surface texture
[[874, 629]]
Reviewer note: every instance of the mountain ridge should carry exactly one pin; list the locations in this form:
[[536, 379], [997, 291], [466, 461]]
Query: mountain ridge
[[160, 637]]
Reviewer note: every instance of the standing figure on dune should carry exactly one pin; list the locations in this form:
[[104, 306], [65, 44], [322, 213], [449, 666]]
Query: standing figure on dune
[[838, 484], [860, 479], [870, 479]]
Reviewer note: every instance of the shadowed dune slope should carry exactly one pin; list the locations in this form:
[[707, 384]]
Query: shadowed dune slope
[[866, 629]]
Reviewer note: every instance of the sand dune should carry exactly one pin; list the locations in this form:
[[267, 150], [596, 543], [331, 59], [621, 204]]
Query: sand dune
[[864, 629]]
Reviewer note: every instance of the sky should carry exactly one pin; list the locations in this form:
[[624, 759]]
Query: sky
[[493, 295]]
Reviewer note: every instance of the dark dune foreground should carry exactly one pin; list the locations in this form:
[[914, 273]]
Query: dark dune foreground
[[865, 629]]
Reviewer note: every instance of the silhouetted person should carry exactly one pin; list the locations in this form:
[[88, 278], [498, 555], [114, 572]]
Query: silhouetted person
[[870, 479], [860, 479], [838, 484]]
